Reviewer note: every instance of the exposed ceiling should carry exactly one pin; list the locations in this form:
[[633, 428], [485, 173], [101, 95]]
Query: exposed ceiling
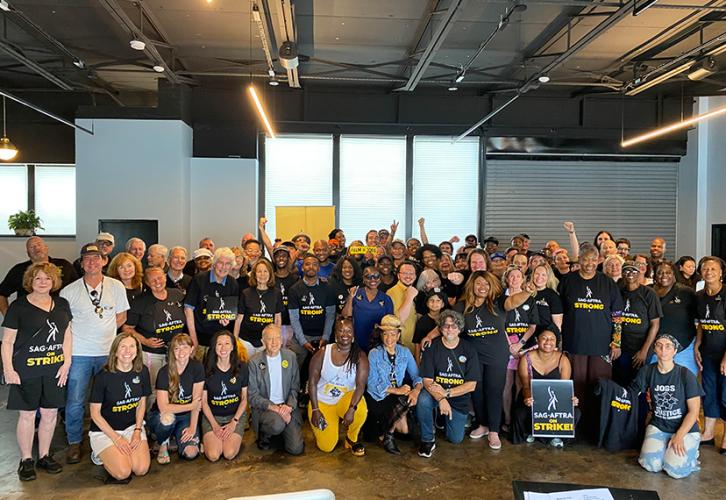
[[498, 45]]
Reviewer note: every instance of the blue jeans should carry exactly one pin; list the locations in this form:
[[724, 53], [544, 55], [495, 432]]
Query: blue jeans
[[83, 368], [714, 388], [164, 432], [684, 358], [425, 413]]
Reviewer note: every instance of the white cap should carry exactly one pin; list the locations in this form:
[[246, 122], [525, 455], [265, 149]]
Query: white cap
[[106, 237], [202, 252]]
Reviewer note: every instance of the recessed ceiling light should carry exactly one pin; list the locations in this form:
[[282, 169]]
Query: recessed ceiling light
[[4, 5], [137, 44], [273, 81], [544, 79], [158, 68], [453, 88]]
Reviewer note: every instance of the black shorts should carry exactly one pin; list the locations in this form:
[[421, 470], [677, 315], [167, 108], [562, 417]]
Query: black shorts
[[37, 392]]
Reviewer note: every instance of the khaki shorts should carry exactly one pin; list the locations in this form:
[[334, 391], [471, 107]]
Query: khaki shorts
[[100, 441], [239, 429]]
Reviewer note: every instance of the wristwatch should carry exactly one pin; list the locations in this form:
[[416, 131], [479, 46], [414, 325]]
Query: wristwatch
[[448, 393]]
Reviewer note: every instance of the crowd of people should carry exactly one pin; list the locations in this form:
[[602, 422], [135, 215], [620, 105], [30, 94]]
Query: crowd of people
[[389, 339]]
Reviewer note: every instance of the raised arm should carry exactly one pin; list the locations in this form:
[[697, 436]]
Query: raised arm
[[574, 244], [265, 237], [422, 230]]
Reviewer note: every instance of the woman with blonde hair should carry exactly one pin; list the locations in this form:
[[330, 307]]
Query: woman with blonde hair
[[179, 387], [612, 267], [36, 355], [118, 404], [549, 304], [127, 269]]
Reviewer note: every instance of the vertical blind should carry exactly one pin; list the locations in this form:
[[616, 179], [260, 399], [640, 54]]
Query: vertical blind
[[446, 186], [372, 184], [13, 193], [298, 172], [55, 199]]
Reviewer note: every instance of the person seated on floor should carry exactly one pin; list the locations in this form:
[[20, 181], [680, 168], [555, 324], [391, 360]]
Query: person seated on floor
[[388, 396], [225, 398], [450, 370], [118, 404], [338, 376], [672, 437], [273, 389], [179, 387], [546, 362]]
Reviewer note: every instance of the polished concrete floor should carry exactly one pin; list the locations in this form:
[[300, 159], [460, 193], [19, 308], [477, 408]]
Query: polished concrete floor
[[469, 470]]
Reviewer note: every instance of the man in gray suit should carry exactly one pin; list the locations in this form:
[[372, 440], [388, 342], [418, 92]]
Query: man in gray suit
[[272, 393]]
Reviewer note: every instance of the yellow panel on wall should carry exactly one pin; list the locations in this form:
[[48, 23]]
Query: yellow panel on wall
[[315, 221]]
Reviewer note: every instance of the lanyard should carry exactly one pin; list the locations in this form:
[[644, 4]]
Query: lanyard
[[95, 301]]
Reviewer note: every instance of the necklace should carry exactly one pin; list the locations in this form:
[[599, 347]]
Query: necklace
[[95, 298]]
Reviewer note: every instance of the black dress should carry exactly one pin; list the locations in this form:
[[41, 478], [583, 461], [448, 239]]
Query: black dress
[[522, 421]]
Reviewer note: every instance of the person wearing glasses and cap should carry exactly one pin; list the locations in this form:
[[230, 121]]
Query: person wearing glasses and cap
[[105, 243], [98, 305], [367, 306]]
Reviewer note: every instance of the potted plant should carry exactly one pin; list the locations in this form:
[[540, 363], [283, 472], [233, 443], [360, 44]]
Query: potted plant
[[24, 223]]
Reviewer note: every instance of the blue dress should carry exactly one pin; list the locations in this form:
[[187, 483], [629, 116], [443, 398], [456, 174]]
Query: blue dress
[[366, 314]]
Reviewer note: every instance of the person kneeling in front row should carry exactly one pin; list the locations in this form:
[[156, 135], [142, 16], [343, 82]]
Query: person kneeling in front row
[[450, 371], [672, 437], [118, 403], [273, 389]]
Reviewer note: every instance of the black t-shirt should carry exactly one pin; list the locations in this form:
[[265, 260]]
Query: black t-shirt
[[181, 284], [640, 307], [259, 309], [589, 306], [13, 282], [311, 301], [338, 294], [212, 302], [120, 394], [384, 287], [132, 293], [548, 303], [284, 285], [487, 332], [424, 325], [679, 314], [520, 318], [451, 368], [38, 347], [163, 319], [711, 315], [669, 393], [223, 390], [192, 374]]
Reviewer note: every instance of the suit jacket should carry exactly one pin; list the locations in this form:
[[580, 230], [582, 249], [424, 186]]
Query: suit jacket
[[258, 390]]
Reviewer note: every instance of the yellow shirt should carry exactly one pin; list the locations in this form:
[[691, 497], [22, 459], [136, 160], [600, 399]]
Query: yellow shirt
[[398, 293]]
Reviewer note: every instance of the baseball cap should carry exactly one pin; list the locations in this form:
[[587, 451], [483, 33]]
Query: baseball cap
[[281, 248], [302, 235], [491, 239], [106, 237], [90, 249], [497, 255], [202, 252], [398, 241]]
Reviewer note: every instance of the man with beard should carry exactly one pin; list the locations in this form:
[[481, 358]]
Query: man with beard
[[402, 294], [657, 254]]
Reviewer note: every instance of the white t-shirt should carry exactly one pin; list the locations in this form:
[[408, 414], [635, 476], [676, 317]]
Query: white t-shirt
[[93, 335], [275, 369]]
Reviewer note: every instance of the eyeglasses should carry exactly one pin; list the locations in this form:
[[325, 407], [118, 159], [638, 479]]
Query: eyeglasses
[[449, 326], [375, 276]]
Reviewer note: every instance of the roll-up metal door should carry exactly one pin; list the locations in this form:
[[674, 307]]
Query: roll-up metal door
[[634, 200]]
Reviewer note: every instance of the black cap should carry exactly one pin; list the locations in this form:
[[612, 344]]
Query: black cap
[[491, 239], [90, 249]]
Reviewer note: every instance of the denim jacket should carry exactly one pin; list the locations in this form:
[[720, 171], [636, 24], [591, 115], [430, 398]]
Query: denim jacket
[[380, 368]]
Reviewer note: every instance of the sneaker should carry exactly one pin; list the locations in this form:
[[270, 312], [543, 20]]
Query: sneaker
[[557, 443], [426, 449], [479, 432], [48, 464], [530, 439], [26, 470], [73, 455], [96, 459], [494, 442]]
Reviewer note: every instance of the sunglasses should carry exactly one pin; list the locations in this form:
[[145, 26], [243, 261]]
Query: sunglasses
[[375, 276]]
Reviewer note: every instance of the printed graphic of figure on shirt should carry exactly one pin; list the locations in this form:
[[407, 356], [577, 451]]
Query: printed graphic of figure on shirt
[[627, 305], [53, 331], [479, 322], [224, 389], [221, 303], [263, 307], [517, 317], [181, 393], [127, 395], [588, 294], [708, 312], [449, 364], [167, 314], [552, 406], [312, 299]]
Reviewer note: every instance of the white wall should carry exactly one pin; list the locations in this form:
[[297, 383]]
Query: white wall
[[223, 199]]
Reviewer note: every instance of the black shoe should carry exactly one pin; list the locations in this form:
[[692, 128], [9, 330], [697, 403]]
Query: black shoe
[[49, 464], [389, 444], [26, 470], [109, 479], [426, 449], [263, 442], [439, 422], [708, 441]]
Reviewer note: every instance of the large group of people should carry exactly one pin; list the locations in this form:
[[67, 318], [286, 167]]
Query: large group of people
[[381, 338]]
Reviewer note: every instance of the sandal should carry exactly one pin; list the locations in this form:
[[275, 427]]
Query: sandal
[[357, 449], [162, 458]]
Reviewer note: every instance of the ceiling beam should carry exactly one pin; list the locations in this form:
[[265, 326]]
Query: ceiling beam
[[12, 52], [437, 39]]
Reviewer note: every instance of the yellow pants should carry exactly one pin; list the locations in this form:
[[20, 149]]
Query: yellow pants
[[327, 439]]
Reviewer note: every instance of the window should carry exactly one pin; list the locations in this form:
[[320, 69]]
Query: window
[[446, 186], [55, 199], [13, 193], [298, 172], [372, 184]]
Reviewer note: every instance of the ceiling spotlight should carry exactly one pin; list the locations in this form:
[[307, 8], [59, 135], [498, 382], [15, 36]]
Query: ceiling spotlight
[[271, 72], [460, 77], [78, 63], [705, 68], [453, 88], [273, 81], [4, 5], [137, 44], [158, 68], [544, 79], [288, 55]]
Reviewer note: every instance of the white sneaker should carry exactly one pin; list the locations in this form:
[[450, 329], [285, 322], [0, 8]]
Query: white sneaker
[[530, 439], [557, 443], [479, 433], [96, 459]]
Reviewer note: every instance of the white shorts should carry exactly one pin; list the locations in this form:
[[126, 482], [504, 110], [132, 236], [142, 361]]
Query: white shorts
[[100, 441]]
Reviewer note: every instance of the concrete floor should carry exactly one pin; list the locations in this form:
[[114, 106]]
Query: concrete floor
[[469, 470]]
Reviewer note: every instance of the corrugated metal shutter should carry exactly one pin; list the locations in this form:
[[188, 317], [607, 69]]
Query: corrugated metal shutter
[[635, 200]]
